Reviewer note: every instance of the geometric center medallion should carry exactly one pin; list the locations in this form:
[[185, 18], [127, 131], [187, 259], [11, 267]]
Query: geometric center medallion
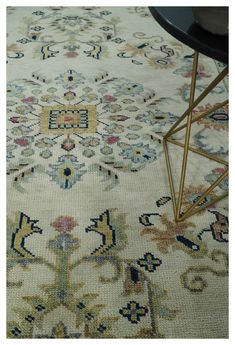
[[62, 119]]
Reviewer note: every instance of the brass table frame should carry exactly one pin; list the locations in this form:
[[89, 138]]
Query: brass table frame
[[177, 204]]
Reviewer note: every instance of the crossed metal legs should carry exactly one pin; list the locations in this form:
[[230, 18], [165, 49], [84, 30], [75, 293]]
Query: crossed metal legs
[[177, 203]]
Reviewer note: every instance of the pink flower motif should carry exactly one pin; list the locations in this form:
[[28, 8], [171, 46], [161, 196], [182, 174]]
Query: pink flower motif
[[22, 141], [112, 139], [200, 74], [219, 171], [108, 99], [71, 54], [64, 224], [118, 117], [122, 117], [212, 206], [29, 100], [15, 119], [188, 74]]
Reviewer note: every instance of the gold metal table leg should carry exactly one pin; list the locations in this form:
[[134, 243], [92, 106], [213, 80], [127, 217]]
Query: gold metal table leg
[[177, 204]]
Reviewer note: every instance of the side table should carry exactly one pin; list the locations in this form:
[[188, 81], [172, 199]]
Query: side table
[[179, 22]]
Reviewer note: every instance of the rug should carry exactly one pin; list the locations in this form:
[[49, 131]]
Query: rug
[[93, 250]]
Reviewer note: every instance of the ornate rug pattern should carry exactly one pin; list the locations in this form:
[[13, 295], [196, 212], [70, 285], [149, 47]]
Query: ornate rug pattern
[[93, 250]]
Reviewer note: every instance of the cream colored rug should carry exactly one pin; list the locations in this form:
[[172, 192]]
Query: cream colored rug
[[93, 250]]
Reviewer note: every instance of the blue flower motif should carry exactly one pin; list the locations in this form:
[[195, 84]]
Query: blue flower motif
[[214, 175], [63, 242], [21, 130], [112, 108], [149, 262], [67, 172], [10, 148], [133, 311], [184, 91], [114, 128], [157, 118], [14, 90], [138, 153], [70, 79], [128, 88], [186, 70], [195, 196], [45, 142], [90, 141]]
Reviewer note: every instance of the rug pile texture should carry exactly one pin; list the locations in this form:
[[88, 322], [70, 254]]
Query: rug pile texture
[[92, 247]]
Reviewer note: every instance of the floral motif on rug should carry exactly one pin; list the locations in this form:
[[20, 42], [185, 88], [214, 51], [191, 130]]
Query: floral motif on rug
[[93, 250]]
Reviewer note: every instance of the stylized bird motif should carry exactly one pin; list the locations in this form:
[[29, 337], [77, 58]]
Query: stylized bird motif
[[47, 53], [25, 228], [94, 52], [103, 227]]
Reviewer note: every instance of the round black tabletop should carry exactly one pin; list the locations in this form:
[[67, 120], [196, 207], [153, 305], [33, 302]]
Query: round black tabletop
[[179, 22]]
